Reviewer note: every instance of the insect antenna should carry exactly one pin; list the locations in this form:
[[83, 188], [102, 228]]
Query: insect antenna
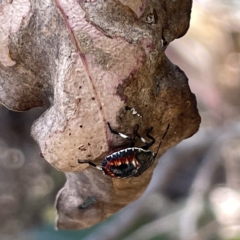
[[163, 136], [90, 163]]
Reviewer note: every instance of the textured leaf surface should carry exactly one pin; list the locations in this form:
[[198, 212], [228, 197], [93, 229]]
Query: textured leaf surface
[[89, 63]]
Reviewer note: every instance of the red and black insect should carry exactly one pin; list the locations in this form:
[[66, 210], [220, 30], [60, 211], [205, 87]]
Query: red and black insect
[[129, 162]]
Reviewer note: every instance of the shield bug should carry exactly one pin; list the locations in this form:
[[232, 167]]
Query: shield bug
[[129, 162]]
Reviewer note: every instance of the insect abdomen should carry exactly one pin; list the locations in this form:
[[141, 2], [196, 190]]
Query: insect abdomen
[[121, 164]]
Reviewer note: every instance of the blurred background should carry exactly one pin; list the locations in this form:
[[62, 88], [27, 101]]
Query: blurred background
[[196, 193]]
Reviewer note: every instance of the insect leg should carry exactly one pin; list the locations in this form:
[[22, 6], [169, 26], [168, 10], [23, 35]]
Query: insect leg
[[150, 137], [147, 145], [163, 136], [132, 140], [90, 163]]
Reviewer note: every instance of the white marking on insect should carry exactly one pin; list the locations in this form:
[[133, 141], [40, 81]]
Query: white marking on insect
[[123, 135], [143, 140], [134, 112]]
